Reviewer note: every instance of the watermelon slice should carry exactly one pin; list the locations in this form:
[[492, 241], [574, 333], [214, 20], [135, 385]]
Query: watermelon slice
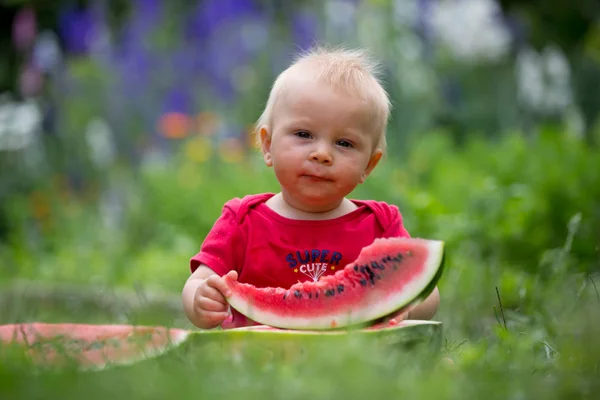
[[389, 275], [97, 347], [90, 346]]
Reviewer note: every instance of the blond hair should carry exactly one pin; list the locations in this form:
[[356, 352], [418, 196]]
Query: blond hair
[[350, 70]]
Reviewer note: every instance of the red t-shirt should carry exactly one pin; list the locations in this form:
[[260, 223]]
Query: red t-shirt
[[267, 249]]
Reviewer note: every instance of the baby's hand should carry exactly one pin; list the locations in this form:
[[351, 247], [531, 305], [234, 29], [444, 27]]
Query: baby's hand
[[210, 305]]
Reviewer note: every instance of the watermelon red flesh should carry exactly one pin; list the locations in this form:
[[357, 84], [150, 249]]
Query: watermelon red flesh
[[90, 346], [388, 275]]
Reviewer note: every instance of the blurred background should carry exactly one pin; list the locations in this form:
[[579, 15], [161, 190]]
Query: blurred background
[[124, 127]]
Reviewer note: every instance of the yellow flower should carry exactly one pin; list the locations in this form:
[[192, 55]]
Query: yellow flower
[[198, 149]]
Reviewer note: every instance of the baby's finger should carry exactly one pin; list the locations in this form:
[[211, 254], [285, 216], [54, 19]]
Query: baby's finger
[[233, 275], [212, 293], [218, 283], [207, 304], [215, 318]]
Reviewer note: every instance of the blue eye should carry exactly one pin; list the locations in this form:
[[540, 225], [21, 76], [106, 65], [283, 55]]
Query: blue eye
[[344, 143], [303, 135]]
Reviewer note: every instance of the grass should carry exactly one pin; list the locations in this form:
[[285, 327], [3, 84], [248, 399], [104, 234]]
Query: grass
[[520, 301]]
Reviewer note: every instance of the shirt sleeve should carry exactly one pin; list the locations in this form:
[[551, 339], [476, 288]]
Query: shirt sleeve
[[389, 218], [395, 226], [221, 247]]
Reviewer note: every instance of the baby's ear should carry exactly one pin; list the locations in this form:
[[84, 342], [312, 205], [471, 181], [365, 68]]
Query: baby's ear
[[265, 145], [373, 161]]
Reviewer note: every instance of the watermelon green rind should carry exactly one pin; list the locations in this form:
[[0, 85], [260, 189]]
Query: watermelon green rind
[[351, 309], [405, 334], [406, 326]]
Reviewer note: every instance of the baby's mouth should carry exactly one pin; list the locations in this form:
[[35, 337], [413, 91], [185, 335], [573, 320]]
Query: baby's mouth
[[317, 178]]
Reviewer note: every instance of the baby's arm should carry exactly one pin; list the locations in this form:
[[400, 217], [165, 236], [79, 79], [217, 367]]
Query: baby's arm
[[423, 311], [427, 308], [203, 298]]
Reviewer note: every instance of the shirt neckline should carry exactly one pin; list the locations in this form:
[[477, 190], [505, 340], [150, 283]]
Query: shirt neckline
[[264, 209]]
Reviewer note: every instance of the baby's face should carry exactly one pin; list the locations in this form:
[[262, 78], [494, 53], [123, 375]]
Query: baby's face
[[321, 145]]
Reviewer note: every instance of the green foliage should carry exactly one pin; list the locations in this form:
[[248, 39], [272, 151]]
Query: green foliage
[[515, 197], [510, 201], [563, 22], [519, 215]]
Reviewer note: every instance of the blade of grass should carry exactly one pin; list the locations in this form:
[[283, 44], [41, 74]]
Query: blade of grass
[[501, 308]]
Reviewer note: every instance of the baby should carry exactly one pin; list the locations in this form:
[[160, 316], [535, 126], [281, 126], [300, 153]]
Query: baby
[[323, 133]]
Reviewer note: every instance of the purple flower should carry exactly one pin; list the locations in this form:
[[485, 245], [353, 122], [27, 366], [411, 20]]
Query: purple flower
[[217, 36], [304, 29], [148, 12], [24, 29], [178, 100], [210, 15], [77, 27], [134, 69]]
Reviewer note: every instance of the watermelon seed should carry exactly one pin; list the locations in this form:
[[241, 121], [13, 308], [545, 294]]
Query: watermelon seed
[[356, 268], [340, 288], [329, 292], [371, 275], [297, 294], [76, 342], [363, 282], [95, 345], [376, 265], [284, 295]]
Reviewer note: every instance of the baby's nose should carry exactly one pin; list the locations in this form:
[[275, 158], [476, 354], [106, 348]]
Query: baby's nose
[[321, 156]]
